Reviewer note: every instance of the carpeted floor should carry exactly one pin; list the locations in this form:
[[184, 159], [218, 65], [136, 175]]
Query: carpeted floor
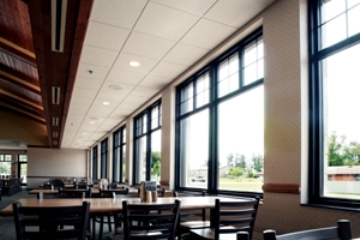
[[7, 227]]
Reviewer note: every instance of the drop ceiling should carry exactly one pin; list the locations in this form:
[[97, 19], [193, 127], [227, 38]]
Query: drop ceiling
[[99, 88]]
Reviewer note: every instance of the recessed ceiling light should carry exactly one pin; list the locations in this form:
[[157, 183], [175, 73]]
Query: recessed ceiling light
[[92, 122], [134, 63], [115, 87], [84, 133], [106, 103], [94, 118]]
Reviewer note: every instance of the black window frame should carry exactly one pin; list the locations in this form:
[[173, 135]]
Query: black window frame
[[104, 158], [316, 111], [213, 104], [95, 163], [139, 132], [119, 141]]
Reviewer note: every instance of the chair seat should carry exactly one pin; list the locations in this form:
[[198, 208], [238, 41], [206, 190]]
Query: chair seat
[[195, 224], [209, 233]]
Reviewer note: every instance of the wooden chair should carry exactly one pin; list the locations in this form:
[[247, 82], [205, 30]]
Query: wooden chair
[[229, 217], [151, 221], [74, 193], [342, 231], [189, 219], [42, 223]]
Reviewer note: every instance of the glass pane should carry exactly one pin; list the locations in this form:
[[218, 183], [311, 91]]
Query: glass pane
[[124, 135], [23, 172], [250, 55], [341, 176], [354, 21], [186, 99], [2, 157], [8, 157], [331, 9], [194, 150], [123, 163], [154, 117], [156, 156], [22, 158], [241, 142], [116, 165], [141, 159], [5, 168], [228, 71], [202, 90], [144, 124], [352, 3], [333, 31], [250, 74], [260, 50]]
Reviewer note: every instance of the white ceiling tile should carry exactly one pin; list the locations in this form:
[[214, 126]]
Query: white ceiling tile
[[110, 123], [98, 56], [136, 99], [83, 92], [122, 13], [125, 88], [144, 91], [121, 76], [207, 34], [198, 7], [155, 81], [111, 96], [159, 20], [170, 70], [92, 71], [148, 46], [127, 106], [185, 54], [89, 83], [83, 100], [106, 36], [146, 64], [236, 13]]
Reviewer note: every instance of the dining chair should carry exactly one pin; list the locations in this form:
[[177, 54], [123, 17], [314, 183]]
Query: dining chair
[[43, 223], [74, 193], [229, 217], [150, 221], [342, 231], [189, 219]]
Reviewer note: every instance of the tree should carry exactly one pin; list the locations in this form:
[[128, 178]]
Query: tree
[[240, 161], [351, 154], [236, 171], [335, 146], [155, 163], [230, 160], [258, 162]]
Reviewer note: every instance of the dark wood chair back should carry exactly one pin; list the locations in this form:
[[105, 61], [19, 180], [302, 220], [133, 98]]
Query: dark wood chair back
[[342, 231], [152, 221], [186, 214], [74, 193], [43, 223], [240, 215]]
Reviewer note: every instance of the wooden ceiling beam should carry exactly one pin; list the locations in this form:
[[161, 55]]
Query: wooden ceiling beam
[[18, 52], [21, 105], [23, 100], [19, 78], [18, 110]]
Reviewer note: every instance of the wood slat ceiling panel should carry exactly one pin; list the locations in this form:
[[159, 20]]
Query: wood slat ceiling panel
[[20, 92], [19, 66], [15, 23]]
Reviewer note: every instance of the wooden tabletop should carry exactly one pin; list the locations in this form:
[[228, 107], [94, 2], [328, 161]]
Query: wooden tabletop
[[106, 205], [56, 191]]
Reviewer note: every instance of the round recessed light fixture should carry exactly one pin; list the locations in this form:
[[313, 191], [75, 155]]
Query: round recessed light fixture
[[92, 122], [106, 103], [94, 118], [134, 63], [115, 87]]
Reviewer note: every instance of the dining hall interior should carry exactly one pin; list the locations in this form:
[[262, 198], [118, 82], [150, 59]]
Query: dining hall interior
[[232, 98]]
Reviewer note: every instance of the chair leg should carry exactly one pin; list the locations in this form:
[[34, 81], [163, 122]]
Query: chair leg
[[101, 226], [109, 222]]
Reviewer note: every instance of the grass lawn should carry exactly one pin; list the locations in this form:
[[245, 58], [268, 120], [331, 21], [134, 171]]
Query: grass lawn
[[243, 184]]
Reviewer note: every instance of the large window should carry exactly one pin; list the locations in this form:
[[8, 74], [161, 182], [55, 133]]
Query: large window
[[119, 155], [220, 122], [94, 163], [148, 144], [334, 119], [104, 158], [5, 164]]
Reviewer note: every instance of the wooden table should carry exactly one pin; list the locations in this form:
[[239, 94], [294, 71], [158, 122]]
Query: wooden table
[[56, 191], [107, 205]]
